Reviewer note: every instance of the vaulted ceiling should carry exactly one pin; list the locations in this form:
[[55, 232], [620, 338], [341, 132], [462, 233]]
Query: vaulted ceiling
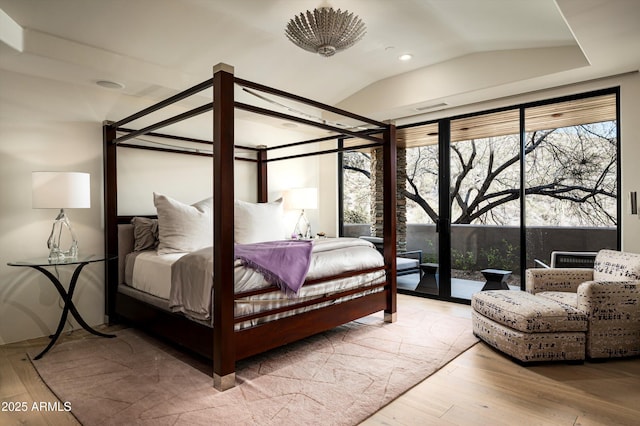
[[464, 51]]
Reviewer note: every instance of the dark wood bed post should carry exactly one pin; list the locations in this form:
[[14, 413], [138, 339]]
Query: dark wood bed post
[[110, 221], [224, 347], [389, 218], [263, 193]]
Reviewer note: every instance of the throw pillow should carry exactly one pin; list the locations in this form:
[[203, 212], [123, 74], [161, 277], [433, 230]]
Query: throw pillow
[[182, 227], [145, 233], [258, 222]]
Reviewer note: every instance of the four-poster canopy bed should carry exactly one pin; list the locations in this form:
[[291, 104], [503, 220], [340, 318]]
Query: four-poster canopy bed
[[227, 337]]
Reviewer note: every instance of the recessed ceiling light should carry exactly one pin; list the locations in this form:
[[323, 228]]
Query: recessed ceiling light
[[289, 124], [107, 84], [405, 57]]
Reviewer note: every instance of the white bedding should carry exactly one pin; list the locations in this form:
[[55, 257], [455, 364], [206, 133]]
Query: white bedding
[[152, 272], [331, 256]]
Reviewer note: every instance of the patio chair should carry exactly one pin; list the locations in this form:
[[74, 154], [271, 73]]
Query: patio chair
[[407, 262]]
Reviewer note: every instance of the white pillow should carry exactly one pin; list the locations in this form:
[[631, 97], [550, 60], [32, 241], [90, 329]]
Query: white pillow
[[258, 222], [181, 227]]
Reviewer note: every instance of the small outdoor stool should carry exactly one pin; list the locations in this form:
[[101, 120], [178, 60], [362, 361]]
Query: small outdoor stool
[[496, 279], [429, 278]]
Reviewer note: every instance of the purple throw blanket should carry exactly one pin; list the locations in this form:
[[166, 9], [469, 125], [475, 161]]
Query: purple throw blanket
[[283, 263]]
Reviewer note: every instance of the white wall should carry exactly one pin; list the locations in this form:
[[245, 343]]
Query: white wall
[[630, 155], [142, 172], [294, 173], [49, 127]]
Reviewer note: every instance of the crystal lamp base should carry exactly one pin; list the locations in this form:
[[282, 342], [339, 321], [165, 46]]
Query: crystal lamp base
[[54, 242]]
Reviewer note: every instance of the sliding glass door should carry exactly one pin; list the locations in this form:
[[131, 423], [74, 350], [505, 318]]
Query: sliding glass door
[[420, 148], [484, 195], [571, 178], [488, 195]]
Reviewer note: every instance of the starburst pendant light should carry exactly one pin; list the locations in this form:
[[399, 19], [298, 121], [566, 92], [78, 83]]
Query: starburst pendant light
[[325, 31]]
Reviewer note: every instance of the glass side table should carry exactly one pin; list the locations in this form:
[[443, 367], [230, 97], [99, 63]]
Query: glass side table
[[41, 264]]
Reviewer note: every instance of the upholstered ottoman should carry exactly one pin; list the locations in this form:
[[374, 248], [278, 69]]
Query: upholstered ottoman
[[529, 328]]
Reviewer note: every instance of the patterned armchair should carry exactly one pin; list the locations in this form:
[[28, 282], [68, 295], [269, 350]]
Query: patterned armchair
[[609, 294]]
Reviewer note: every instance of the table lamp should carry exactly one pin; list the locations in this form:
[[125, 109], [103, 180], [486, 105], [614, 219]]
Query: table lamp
[[301, 199], [61, 190]]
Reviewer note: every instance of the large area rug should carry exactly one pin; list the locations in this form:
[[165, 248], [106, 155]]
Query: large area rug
[[339, 377]]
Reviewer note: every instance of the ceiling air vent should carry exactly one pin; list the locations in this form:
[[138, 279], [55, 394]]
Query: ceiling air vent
[[432, 106]]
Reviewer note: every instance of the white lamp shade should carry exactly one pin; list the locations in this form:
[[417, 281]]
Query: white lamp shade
[[301, 198], [61, 190]]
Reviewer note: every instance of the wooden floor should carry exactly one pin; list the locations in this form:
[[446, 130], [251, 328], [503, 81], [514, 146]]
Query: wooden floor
[[480, 387]]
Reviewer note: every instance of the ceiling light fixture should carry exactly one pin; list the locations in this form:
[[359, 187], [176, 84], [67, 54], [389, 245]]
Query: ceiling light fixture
[[325, 31], [405, 57]]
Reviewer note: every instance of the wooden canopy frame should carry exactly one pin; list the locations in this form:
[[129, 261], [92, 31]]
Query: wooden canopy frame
[[222, 343]]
